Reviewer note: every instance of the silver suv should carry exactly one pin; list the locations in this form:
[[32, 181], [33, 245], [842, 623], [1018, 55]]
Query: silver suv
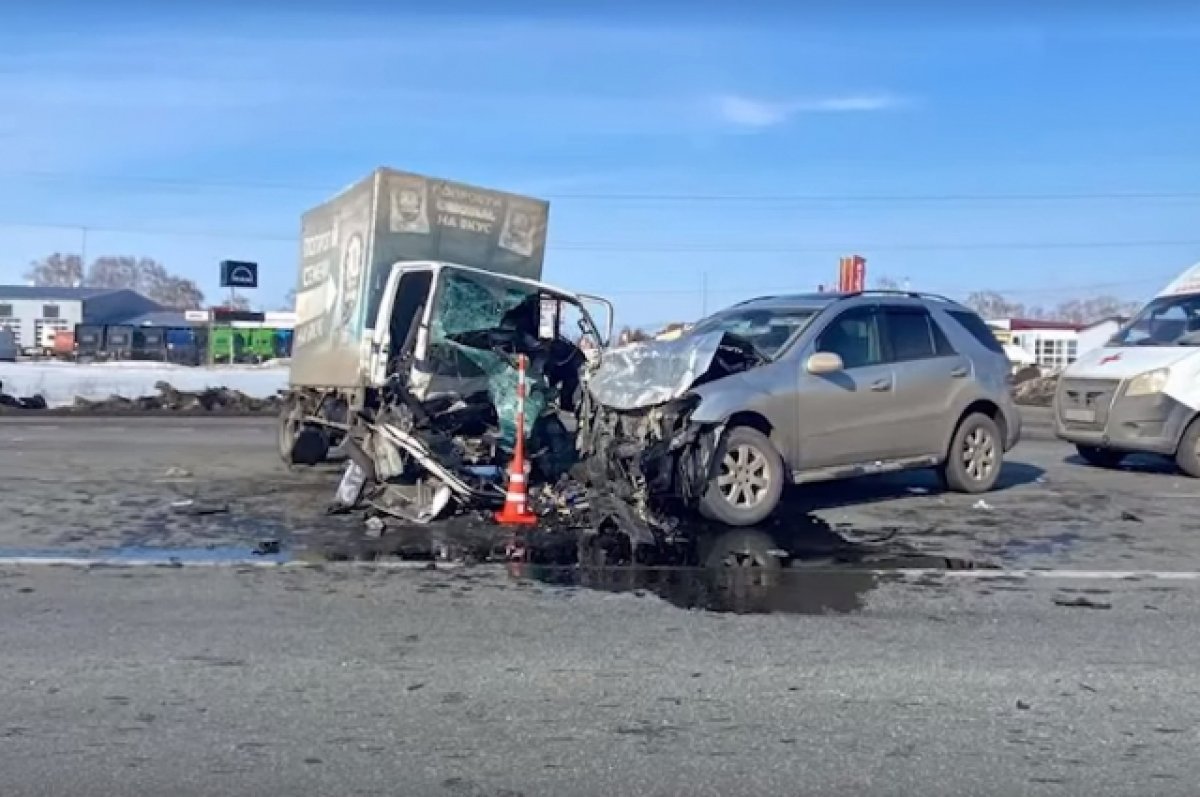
[[797, 389]]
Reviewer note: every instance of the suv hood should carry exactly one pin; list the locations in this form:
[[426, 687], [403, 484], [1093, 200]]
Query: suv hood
[[652, 373]]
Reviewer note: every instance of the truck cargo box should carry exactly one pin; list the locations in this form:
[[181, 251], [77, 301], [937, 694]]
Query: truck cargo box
[[350, 243]]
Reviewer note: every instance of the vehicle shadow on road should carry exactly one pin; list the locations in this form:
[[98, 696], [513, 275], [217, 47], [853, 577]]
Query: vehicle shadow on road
[[887, 487], [1134, 463]]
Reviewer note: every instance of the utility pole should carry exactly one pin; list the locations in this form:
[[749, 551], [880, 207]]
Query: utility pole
[[83, 236], [703, 294]]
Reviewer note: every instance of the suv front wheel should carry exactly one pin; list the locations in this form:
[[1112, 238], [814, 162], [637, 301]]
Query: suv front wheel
[[747, 480], [975, 457]]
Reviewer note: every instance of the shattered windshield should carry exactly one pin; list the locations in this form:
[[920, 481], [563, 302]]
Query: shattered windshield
[[1166, 321], [768, 331], [478, 322]]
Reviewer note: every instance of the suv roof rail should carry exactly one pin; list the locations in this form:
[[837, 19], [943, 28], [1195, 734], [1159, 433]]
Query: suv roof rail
[[910, 294]]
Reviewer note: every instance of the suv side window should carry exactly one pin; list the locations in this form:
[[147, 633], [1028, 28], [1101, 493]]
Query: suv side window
[[913, 334], [854, 336], [976, 326]]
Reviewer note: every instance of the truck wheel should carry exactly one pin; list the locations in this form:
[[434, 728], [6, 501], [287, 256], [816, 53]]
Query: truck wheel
[[747, 481], [1099, 456], [1187, 456], [976, 454], [289, 429]]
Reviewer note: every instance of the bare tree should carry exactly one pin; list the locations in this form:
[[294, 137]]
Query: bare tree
[[990, 304], [631, 335], [289, 302], [57, 270], [886, 283], [236, 302], [148, 277], [1086, 311]]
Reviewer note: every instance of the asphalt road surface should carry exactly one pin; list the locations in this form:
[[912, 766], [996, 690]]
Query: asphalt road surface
[[352, 679]]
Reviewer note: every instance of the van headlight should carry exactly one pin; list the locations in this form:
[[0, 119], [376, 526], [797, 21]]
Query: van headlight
[[1148, 383]]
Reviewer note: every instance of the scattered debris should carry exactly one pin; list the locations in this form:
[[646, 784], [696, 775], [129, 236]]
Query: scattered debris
[[375, 527], [1126, 515], [982, 505], [35, 402], [1036, 392], [175, 472], [191, 507], [1023, 706], [1081, 603], [268, 547]]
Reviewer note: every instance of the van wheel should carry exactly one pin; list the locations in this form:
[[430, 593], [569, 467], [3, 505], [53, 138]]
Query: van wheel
[[747, 479], [1100, 457], [1187, 457], [976, 454]]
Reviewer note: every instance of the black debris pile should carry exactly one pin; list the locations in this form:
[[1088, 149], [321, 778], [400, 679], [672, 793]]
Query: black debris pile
[[9, 402], [1037, 392], [220, 400]]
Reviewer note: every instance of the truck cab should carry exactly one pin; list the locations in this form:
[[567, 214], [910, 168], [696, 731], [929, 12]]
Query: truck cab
[[431, 313], [1140, 392], [446, 331]]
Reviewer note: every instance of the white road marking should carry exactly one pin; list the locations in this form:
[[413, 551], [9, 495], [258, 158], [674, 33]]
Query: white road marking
[[384, 564], [249, 561], [1075, 575]]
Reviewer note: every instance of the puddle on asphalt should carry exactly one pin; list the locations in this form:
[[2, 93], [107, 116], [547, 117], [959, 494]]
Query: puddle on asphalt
[[826, 572], [804, 588], [221, 554]]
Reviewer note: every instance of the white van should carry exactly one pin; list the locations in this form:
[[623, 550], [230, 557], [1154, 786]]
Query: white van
[[8, 346], [1140, 392]]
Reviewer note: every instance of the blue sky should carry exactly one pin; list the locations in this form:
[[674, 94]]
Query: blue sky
[[958, 150]]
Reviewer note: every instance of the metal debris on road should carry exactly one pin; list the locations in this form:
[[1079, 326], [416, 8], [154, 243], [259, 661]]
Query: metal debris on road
[[267, 547], [191, 507], [1081, 603]]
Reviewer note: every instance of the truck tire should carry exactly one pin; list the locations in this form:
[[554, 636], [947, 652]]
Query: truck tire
[[1100, 457], [1187, 456], [288, 429], [747, 480], [975, 457]]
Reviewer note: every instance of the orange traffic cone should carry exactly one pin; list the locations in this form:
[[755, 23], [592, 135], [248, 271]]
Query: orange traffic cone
[[516, 497]]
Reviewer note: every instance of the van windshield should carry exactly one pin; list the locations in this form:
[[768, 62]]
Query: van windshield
[[1166, 321]]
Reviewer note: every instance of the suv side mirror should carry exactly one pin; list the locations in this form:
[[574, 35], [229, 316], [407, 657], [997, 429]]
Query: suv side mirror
[[825, 362]]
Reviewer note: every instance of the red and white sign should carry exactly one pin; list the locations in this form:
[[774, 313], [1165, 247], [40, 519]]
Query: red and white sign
[[852, 274]]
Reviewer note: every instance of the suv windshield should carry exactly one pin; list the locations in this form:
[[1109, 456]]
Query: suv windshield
[[1166, 321], [768, 331]]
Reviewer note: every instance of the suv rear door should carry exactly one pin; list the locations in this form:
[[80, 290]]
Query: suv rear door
[[846, 418], [929, 379]]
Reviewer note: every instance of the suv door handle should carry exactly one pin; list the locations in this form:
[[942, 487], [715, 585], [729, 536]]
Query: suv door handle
[[880, 385], [960, 371]]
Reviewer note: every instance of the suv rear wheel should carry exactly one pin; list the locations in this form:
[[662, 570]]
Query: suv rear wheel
[[975, 457], [747, 480]]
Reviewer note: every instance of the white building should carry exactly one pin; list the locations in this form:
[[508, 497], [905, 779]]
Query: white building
[[1053, 345], [34, 314], [1097, 333]]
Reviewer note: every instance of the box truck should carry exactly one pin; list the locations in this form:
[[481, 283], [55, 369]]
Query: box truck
[[383, 265]]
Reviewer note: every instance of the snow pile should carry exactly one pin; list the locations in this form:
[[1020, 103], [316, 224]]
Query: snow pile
[[61, 383]]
